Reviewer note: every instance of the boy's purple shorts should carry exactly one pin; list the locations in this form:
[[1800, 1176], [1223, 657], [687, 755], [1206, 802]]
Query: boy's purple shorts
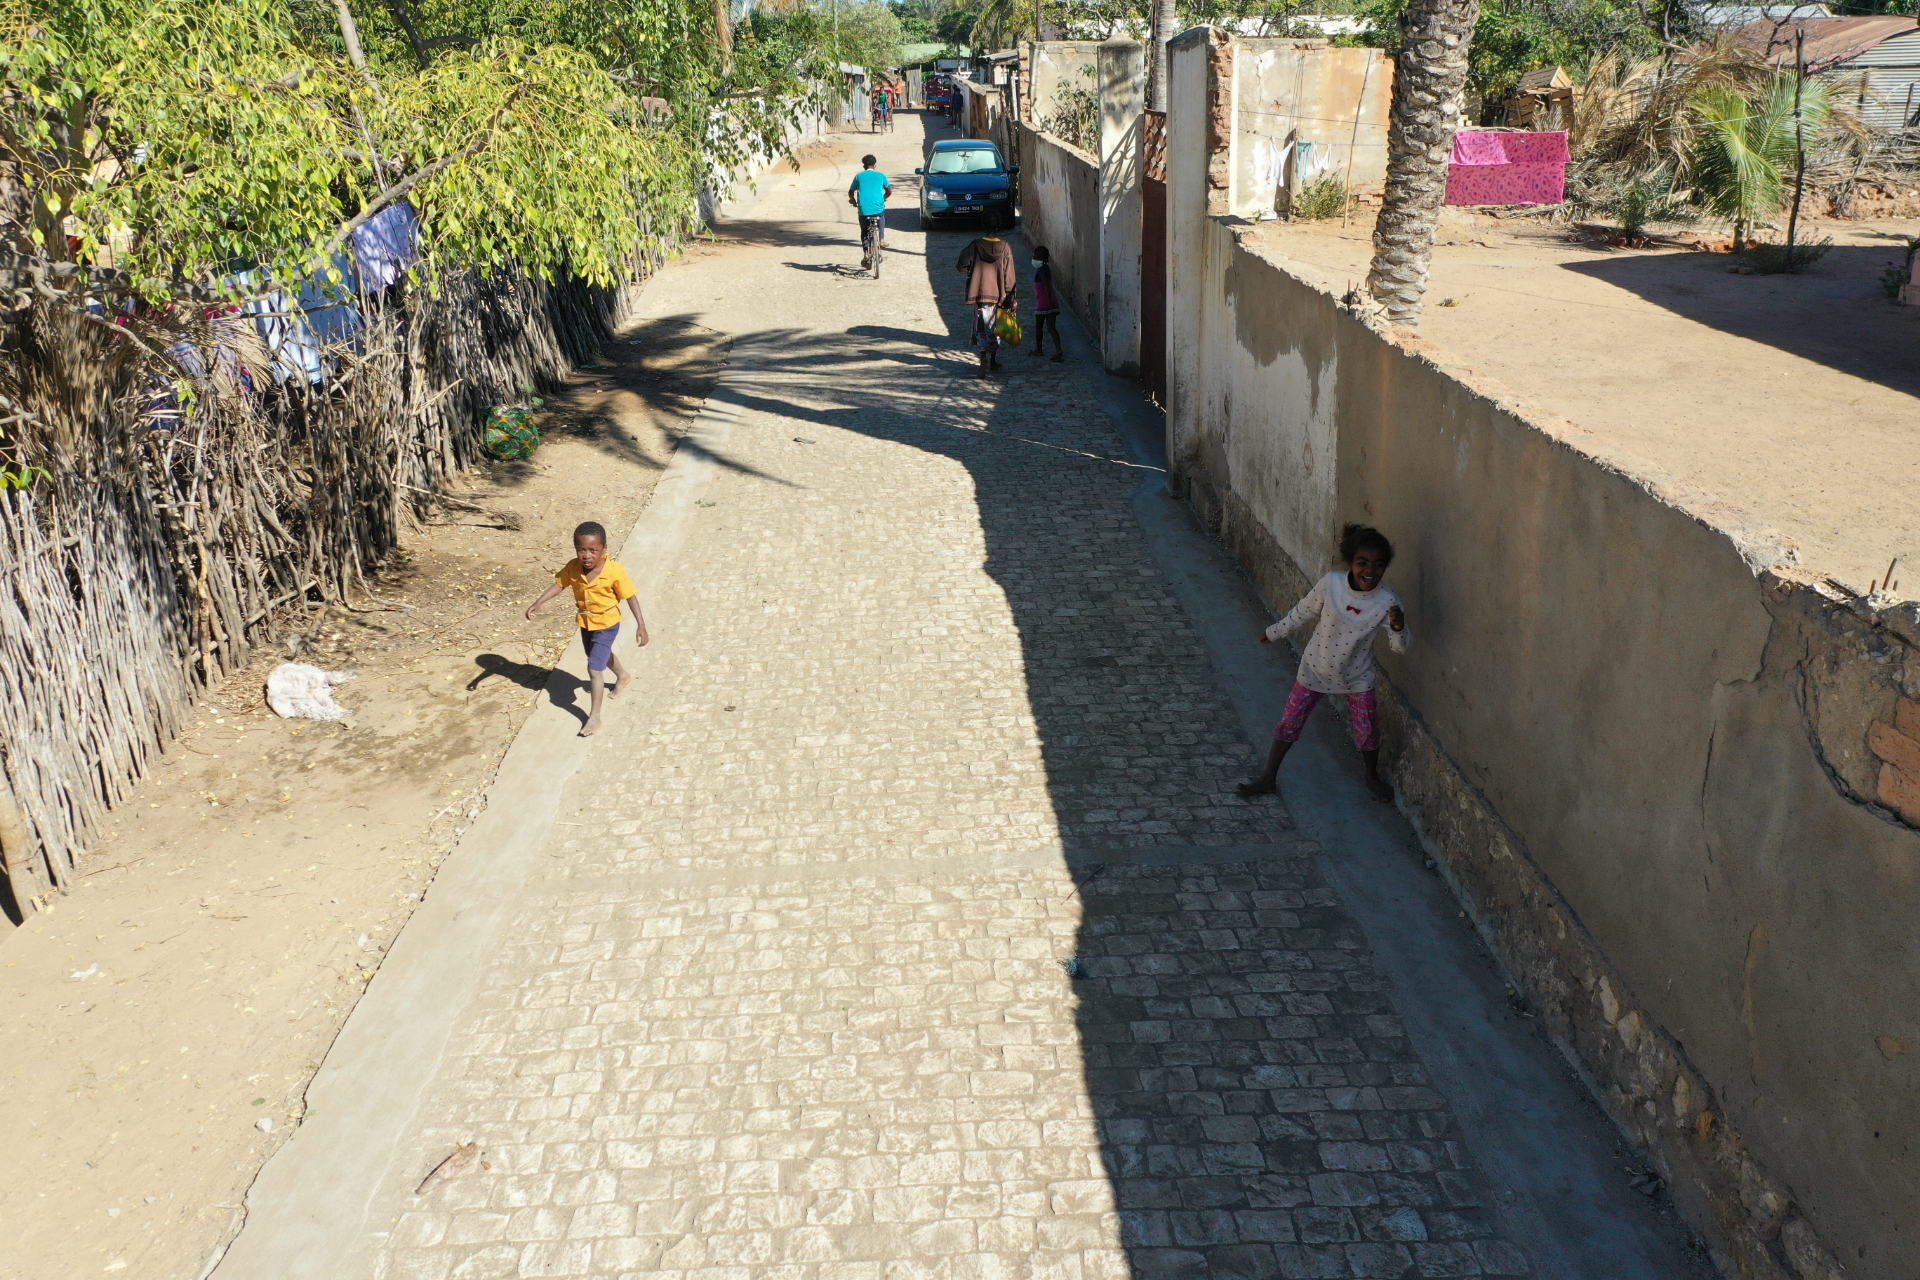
[[599, 646]]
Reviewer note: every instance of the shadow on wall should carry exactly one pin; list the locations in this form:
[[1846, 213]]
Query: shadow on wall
[[1258, 1107], [1833, 313]]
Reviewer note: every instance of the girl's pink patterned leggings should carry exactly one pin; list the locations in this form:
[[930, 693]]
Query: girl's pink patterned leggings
[[1366, 729]]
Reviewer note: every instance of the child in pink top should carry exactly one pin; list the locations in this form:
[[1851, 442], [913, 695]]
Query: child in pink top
[[1351, 607], [1046, 306]]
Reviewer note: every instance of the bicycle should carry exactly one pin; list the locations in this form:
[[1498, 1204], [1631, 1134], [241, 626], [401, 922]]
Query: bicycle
[[871, 243]]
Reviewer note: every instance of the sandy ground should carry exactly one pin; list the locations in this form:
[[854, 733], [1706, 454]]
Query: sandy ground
[[1790, 398], [178, 1001]]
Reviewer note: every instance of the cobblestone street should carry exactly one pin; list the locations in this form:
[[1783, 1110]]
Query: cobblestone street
[[903, 922]]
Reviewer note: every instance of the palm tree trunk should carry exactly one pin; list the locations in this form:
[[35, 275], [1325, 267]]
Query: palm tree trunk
[[1164, 23], [1429, 73]]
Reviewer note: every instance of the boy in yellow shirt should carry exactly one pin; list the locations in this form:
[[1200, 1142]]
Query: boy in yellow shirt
[[599, 585]]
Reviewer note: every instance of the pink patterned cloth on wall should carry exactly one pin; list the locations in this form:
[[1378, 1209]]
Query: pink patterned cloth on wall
[[1507, 168]]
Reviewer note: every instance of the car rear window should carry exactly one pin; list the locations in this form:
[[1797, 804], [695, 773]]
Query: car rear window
[[974, 160]]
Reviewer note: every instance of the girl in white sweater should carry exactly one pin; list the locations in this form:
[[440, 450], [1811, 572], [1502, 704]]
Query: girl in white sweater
[[1351, 605]]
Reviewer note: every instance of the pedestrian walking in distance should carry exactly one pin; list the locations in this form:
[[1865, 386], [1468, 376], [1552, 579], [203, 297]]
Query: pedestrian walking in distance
[[991, 283], [599, 585], [1351, 606], [1046, 306]]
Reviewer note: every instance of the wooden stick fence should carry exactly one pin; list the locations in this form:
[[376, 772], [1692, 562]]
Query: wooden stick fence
[[158, 548]]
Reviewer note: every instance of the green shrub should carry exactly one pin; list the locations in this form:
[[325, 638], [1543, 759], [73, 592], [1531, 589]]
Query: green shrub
[[1648, 198], [1076, 116], [1771, 259], [1326, 198]]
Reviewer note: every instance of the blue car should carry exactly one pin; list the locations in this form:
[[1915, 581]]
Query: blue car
[[966, 178]]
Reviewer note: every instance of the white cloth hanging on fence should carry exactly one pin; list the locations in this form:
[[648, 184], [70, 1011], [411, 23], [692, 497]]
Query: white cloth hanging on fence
[[1311, 161], [385, 245]]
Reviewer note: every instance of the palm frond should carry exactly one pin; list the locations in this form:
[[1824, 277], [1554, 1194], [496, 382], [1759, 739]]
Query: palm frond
[[1734, 161], [1745, 143]]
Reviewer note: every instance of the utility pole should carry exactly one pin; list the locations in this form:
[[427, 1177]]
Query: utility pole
[[1799, 140]]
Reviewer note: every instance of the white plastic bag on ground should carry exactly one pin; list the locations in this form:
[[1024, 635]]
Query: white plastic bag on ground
[[297, 691]]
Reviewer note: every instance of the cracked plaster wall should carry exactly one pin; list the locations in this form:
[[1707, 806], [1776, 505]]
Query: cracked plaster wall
[[1646, 759]]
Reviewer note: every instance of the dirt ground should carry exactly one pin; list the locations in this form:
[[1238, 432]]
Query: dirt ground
[[1788, 398], [162, 1021]]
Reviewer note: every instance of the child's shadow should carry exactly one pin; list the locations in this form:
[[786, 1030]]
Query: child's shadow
[[562, 688]]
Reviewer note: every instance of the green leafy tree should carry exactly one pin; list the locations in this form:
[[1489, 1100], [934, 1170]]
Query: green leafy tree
[[955, 26], [870, 36], [861, 35], [185, 138], [916, 20], [1518, 36]]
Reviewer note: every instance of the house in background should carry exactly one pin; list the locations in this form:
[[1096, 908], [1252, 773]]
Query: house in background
[[1543, 100], [1871, 65]]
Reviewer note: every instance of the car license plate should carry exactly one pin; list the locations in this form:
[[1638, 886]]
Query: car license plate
[[966, 208]]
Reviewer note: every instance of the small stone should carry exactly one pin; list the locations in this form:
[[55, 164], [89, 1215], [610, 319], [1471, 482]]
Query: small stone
[[264, 1124]]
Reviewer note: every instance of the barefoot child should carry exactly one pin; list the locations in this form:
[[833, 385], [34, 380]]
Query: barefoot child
[[1351, 605], [599, 585]]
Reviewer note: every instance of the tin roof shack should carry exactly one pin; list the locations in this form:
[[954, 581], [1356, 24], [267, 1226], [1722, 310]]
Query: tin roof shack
[[848, 102], [1543, 100], [1872, 64]]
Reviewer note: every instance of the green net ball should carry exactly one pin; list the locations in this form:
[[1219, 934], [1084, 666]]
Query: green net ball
[[511, 433]]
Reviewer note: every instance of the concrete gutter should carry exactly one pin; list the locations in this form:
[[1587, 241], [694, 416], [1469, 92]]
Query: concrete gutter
[[308, 1211]]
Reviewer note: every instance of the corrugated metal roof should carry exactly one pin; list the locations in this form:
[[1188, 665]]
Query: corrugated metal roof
[[1880, 97], [1829, 40], [1895, 51], [1739, 15]]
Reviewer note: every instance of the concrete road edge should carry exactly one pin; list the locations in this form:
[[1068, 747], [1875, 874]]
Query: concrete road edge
[[307, 1210]]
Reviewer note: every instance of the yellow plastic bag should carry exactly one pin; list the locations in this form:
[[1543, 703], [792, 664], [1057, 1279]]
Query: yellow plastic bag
[[1006, 327]]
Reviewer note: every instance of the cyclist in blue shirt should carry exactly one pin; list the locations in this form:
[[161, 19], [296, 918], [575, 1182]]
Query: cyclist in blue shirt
[[868, 195]]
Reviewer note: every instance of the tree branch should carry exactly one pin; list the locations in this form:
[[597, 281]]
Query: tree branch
[[389, 195], [350, 33], [422, 49]]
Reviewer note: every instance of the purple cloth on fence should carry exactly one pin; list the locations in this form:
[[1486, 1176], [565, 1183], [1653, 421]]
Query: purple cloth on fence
[[1488, 167], [383, 246]]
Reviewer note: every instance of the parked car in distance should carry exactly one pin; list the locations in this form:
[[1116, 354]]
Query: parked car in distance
[[966, 178]]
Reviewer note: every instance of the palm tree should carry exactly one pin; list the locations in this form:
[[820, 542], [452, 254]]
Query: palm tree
[[998, 23], [1429, 72], [1744, 145], [1165, 27]]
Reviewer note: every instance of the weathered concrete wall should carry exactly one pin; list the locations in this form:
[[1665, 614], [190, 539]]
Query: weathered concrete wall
[[1190, 88], [1057, 65], [1060, 203], [1292, 91], [1122, 94], [1639, 748]]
